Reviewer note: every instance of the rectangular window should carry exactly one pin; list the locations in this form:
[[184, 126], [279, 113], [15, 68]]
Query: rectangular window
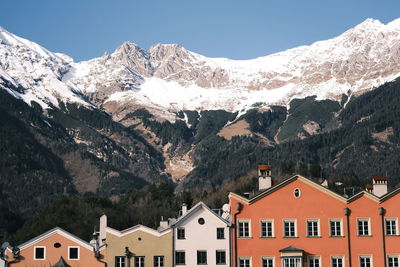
[[314, 261], [158, 261], [201, 257], [365, 261], [120, 261], [244, 262], [40, 253], [180, 258], [292, 262], [267, 262], [220, 257], [73, 253], [220, 233], [139, 261], [289, 228], [337, 262], [312, 228], [393, 261], [180, 233], [244, 229], [363, 227], [391, 226], [335, 227], [267, 228]]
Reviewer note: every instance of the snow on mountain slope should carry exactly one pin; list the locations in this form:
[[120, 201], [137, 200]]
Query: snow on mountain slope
[[171, 77], [36, 71], [168, 77]]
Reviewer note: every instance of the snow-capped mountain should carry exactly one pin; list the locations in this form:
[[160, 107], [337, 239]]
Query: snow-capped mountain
[[36, 71], [168, 77]]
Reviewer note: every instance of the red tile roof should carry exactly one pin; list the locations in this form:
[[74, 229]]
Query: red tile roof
[[264, 167], [379, 178]]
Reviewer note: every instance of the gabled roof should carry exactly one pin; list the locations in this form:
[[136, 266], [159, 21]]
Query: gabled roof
[[54, 231], [318, 187], [197, 207], [291, 249], [284, 183], [136, 228]]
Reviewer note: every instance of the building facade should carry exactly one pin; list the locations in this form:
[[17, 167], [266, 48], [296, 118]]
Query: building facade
[[138, 246], [300, 223], [201, 237], [56, 247]]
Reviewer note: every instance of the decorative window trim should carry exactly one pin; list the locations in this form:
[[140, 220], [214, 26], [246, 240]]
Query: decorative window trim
[[295, 227], [245, 258], [366, 256], [340, 220], [314, 257], [238, 229], [272, 228], [338, 257], [318, 227], [69, 253], [369, 226], [396, 228], [392, 256], [268, 258], [297, 193], [34, 253]]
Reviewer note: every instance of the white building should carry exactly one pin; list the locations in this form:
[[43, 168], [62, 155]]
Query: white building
[[201, 237]]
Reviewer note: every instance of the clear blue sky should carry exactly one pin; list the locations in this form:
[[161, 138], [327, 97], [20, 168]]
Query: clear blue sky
[[244, 29]]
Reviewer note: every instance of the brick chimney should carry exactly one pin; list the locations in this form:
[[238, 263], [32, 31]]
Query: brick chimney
[[379, 184], [264, 177]]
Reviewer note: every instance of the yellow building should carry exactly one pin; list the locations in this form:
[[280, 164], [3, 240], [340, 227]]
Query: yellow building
[[137, 246]]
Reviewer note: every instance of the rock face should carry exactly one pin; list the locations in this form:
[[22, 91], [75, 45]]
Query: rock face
[[168, 77]]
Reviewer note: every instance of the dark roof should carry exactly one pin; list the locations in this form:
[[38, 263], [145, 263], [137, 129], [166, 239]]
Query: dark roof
[[61, 263], [291, 249]]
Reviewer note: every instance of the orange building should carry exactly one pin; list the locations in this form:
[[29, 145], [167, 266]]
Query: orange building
[[56, 247], [301, 223]]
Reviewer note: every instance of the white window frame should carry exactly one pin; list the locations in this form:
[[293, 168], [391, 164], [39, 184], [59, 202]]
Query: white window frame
[[245, 258], [393, 256], [318, 227], [340, 221], [368, 220], [141, 263], [314, 257], [295, 228], [268, 258], [34, 253], [157, 264], [120, 264], [395, 228], [295, 260], [197, 256], [69, 253], [366, 257], [338, 257], [272, 227], [249, 226]]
